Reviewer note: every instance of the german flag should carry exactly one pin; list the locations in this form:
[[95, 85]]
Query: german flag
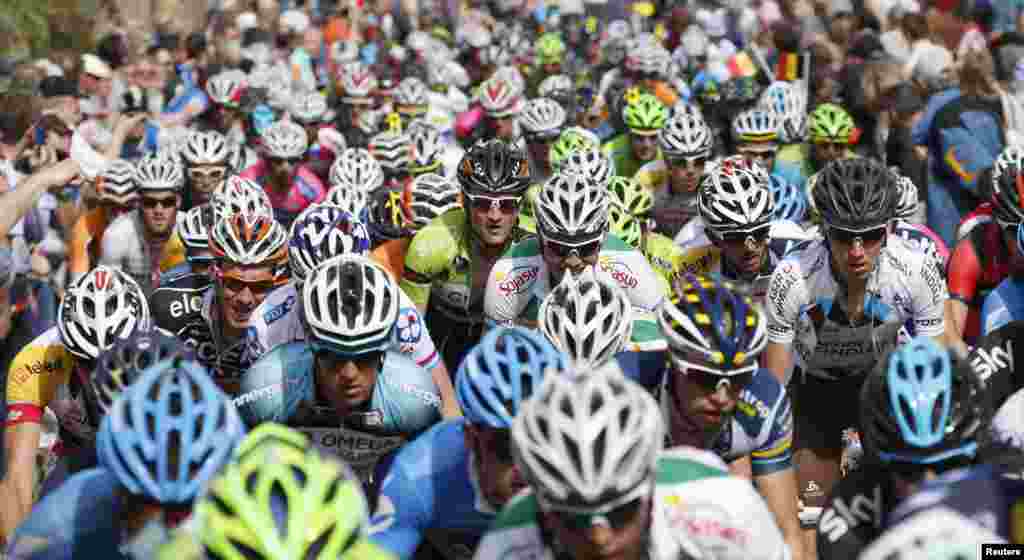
[[788, 68]]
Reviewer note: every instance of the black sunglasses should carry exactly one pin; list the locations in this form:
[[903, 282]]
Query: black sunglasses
[[847, 237], [563, 251], [759, 235], [712, 382], [617, 517], [171, 202]]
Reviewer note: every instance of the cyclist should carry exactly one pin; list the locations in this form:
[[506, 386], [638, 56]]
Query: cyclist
[[291, 185], [358, 85], [101, 307], [250, 255], [410, 99], [450, 259], [717, 397], [344, 386], [274, 490], [358, 168], [742, 240], [922, 413], [206, 156], [620, 495], [838, 304], [451, 499], [790, 201], [194, 232], [501, 101], [428, 154], [226, 90], [644, 116], [541, 122], [916, 234], [755, 133], [831, 132], [150, 472], [572, 227], [629, 218], [686, 143], [142, 242], [321, 232], [549, 51], [325, 143], [118, 194], [391, 149]]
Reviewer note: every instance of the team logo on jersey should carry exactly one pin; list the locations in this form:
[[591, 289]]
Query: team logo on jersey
[[278, 311], [410, 329], [619, 271], [987, 361], [518, 280]]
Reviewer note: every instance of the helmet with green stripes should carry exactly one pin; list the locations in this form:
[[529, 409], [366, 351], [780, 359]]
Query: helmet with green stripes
[[645, 114], [631, 195], [571, 140], [550, 48], [831, 123]]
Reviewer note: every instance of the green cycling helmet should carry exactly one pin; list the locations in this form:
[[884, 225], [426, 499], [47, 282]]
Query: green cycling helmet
[[531, 196], [645, 114], [568, 142], [831, 123], [279, 500], [632, 196], [624, 225], [550, 48]]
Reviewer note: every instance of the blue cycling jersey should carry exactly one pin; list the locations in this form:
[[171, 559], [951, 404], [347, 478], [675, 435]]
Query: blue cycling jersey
[[430, 491], [280, 387], [80, 519], [1003, 305]]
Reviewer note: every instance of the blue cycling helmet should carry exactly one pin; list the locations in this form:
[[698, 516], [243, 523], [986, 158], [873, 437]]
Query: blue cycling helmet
[[120, 365], [920, 407], [323, 231], [500, 372], [169, 433], [790, 200]]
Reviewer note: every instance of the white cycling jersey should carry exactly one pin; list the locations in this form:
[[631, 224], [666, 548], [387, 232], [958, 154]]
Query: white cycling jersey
[[700, 510], [520, 280], [277, 321], [805, 307], [125, 247]]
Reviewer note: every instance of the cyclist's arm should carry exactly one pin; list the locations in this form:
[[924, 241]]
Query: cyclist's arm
[[78, 249], [21, 443], [962, 275], [779, 491], [929, 297], [786, 293], [443, 381]]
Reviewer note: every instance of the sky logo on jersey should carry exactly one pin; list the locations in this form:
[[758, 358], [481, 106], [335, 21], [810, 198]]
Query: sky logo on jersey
[[518, 280], [988, 361], [275, 313], [409, 327], [619, 271]]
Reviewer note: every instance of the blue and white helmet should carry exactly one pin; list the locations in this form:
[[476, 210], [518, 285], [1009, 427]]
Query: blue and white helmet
[[790, 200], [323, 231]]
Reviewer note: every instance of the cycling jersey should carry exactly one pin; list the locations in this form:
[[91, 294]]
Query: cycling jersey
[[281, 387], [702, 257], [624, 161], [426, 494], [305, 189], [186, 308], [125, 247], [993, 359], [923, 239], [805, 307], [761, 425], [672, 210], [520, 280], [438, 266], [85, 242], [277, 320], [697, 507], [854, 513], [664, 256], [1003, 305], [979, 262], [391, 255]]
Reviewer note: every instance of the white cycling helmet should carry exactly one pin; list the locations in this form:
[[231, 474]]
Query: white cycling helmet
[[117, 182], [686, 135], [237, 195], [350, 305], [101, 307], [684, 107], [352, 199], [249, 239], [570, 208], [411, 95], [309, 107], [194, 228], [589, 319], [937, 533], [206, 148], [1012, 157], [284, 139], [157, 172], [588, 442], [431, 195], [906, 204], [242, 157], [734, 199], [224, 87], [556, 82], [755, 125], [790, 105], [542, 117], [357, 166], [391, 150], [512, 76], [593, 163], [499, 98], [323, 231], [426, 147], [357, 82]]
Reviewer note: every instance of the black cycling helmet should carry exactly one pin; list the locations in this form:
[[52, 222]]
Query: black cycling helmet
[[385, 217], [125, 361], [492, 167], [921, 406], [1007, 203], [856, 194]]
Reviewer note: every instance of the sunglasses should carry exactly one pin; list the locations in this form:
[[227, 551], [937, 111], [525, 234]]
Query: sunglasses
[[167, 202], [235, 286], [283, 161], [690, 162], [211, 174], [507, 204], [331, 358], [846, 237], [712, 382], [564, 251], [759, 236], [616, 518]]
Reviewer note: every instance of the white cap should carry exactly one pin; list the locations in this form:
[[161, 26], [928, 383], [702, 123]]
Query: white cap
[[247, 20], [94, 65], [294, 21]]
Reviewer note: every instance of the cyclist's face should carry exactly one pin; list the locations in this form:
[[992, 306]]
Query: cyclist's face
[[645, 146], [493, 218], [500, 479], [282, 170], [204, 179], [560, 257], [761, 153], [707, 399], [685, 172], [617, 535], [855, 254], [504, 127], [745, 250], [243, 288], [159, 210], [346, 381], [825, 152]]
